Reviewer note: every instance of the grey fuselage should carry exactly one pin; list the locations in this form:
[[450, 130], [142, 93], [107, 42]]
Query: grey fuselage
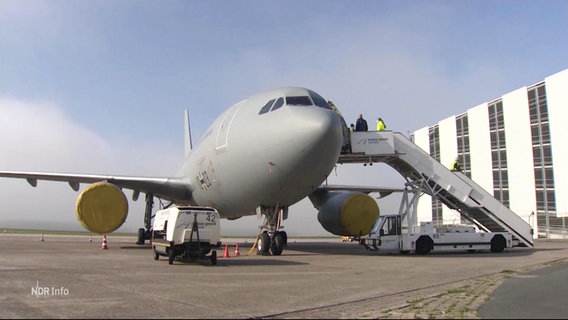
[[274, 158]]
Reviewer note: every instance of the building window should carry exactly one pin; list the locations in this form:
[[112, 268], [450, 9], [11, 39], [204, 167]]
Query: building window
[[498, 152], [543, 162], [434, 134], [462, 133]]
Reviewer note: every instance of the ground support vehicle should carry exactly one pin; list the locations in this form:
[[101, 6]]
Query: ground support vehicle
[[401, 233], [186, 233], [388, 235]]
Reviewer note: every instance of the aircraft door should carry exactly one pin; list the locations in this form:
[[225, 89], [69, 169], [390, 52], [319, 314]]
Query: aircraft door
[[224, 128]]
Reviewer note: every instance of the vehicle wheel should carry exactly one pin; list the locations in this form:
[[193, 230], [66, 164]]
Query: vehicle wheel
[[498, 243], [156, 255], [424, 245], [263, 244], [404, 251], [141, 236], [171, 255], [277, 244], [214, 257]]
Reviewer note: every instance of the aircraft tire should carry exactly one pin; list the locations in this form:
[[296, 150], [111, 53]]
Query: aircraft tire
[[284, 236], [263, 244], [277, 244]]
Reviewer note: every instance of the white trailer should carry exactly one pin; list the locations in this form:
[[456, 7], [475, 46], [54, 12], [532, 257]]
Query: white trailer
[[186, 233], [401, 233]]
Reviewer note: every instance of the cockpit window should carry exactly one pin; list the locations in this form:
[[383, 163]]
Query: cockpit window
[[299, 101], [319, 101], [266, 107], [279, 103]]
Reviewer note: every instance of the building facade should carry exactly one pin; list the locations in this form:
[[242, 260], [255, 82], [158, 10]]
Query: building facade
[[514, 148]]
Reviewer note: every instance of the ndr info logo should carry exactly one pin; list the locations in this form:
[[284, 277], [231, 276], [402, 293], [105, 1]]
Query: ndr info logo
[[49, 291]]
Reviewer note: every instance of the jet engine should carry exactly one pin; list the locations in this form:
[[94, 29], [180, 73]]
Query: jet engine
[[102, 208], [346, 213]]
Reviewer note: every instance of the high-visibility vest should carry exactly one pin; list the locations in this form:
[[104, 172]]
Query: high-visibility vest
[[455, 166]]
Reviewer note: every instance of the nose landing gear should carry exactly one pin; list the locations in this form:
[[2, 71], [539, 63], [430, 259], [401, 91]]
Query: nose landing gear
[[272, 240]]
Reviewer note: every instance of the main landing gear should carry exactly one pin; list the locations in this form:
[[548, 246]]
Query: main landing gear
[[271, 239], [146, 232]]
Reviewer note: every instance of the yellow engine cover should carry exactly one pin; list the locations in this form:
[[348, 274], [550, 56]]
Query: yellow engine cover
[[102, 208], [358, 214], [348, 213]]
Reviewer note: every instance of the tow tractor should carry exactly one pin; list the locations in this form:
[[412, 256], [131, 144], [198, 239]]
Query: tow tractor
[[186, 233], [400, 232]]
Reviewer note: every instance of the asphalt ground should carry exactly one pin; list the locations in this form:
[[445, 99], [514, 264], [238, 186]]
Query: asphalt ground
[[539, 294], [70, 277]]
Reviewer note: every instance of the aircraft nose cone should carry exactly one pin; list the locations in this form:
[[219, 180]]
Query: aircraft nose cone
[[320, 132]]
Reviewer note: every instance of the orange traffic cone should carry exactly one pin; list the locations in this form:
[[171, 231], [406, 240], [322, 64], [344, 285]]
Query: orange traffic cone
[[41, 237], [104, 246], [237, 250], [226, 253]]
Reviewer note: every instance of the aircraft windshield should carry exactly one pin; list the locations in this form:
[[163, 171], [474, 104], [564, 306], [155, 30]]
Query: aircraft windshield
[[266, 107], [299, 101], [279, 103], [310, 100], [318, 100], [271, 105]]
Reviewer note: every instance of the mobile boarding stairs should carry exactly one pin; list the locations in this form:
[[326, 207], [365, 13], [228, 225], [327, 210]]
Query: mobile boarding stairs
[[425, 174]]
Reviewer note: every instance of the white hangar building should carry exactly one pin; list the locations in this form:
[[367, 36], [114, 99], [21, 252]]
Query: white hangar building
[[514, 148]]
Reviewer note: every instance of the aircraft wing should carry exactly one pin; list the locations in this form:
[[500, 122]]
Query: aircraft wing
[[166, 188], [383, 191]]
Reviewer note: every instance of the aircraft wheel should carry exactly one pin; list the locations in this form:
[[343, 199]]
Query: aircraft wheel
[[284, 237], [263, 244], [277, 244], [214, 257], [156, 255], [171, 255]]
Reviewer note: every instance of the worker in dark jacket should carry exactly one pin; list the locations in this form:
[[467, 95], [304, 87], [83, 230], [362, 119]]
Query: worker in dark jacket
[[361, 124]]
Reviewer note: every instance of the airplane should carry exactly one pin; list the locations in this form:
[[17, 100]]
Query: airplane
[[260, 156]]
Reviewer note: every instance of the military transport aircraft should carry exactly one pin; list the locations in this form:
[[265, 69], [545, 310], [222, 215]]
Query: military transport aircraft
[[260, 156]]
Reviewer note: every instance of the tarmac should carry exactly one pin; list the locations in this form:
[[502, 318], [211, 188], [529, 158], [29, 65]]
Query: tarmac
[[71, 277]]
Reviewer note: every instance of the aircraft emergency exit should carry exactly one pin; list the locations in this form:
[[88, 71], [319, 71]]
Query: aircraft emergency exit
[[260, 156]]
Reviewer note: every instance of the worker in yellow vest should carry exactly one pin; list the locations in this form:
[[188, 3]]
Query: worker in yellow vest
[[381, 125], [456, 165]]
